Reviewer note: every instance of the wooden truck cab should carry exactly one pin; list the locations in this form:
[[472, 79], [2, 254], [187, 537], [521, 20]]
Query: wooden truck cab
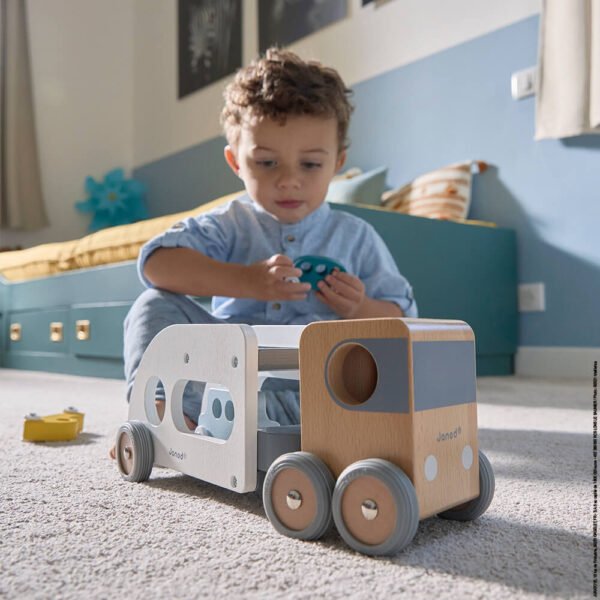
[[403, 390]]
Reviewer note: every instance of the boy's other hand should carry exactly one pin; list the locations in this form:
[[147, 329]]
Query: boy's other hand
[[343, 293], [267, 280]]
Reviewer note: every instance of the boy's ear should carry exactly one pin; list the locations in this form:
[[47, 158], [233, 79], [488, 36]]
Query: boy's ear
[[341, 161], [231, 160]]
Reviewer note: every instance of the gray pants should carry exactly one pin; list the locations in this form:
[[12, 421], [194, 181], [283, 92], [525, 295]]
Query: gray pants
[[156, 309]]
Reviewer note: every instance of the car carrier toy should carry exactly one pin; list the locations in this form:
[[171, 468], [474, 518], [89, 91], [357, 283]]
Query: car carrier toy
[[388, 432]]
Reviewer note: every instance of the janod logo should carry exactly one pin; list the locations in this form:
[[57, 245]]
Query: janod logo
[[177, 455], [444, 436]]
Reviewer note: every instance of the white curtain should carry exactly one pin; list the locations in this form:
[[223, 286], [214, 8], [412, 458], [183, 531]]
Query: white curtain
[[21, 202], [568, 97]]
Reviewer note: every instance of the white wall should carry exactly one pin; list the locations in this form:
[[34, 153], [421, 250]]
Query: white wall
[[105, 79], [82, 66], [371, 41]]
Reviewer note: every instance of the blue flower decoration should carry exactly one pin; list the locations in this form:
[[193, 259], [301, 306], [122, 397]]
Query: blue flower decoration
[[115, 201]]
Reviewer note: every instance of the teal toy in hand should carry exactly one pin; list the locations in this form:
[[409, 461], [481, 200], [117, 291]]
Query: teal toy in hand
[[316, 268]]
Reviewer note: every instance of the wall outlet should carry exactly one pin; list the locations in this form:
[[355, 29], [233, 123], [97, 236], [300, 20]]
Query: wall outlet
[[532, 297], [523, 83]]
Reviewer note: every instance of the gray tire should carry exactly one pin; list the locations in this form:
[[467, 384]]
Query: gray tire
[[297, 495], [473, 509], [135, 451], [375, 507]]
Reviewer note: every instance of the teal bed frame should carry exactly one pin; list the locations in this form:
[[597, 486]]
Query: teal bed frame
[[458, 271]]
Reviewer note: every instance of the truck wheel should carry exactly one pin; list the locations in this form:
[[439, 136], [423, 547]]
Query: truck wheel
[[473, 509], [375, 507], [135, 451], [297, 495]]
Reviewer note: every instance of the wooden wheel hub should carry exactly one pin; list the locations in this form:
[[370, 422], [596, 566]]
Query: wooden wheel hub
[[368, 510], [294, 499]]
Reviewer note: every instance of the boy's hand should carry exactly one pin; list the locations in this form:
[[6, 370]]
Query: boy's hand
[[343, 293], [267, 280]]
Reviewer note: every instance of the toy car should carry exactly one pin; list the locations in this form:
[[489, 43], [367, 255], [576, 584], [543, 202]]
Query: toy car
[[388, 430]]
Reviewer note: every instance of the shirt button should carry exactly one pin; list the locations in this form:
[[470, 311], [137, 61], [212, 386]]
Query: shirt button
[[290, 238], [276, 306]]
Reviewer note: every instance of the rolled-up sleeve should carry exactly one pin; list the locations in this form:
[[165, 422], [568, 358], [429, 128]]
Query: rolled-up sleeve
[[210, 234], [381, 277]]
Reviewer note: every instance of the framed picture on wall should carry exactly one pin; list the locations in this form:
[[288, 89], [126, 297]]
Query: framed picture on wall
[[209, 42], [281, 22]]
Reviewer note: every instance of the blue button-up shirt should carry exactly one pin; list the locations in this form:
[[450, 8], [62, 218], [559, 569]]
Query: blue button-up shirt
[[242, 232]]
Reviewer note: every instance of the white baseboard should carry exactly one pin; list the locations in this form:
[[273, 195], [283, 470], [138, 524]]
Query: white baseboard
[[556, 361]]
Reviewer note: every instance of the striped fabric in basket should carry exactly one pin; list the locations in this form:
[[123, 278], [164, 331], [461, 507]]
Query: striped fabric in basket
[[441, 194]]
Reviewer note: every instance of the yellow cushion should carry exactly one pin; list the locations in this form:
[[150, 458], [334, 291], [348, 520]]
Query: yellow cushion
[[111, 245]]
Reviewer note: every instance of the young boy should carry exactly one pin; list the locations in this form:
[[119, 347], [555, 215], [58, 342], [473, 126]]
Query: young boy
[[286, 122]]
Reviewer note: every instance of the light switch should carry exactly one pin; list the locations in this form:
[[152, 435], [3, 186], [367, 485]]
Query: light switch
[[523, 83], [532, 297]]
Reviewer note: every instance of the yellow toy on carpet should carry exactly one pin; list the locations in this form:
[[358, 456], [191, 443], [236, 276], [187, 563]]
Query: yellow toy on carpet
[[62, 427]]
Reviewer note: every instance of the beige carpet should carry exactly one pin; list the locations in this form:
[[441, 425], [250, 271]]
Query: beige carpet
[[71, 528]]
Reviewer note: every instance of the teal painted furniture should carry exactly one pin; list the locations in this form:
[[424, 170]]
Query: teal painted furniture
[[457, 271], [102, 296]]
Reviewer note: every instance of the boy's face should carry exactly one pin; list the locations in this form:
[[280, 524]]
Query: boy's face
[[286, 169]]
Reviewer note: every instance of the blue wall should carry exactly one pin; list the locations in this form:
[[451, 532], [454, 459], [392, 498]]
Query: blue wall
[[187, 179], [452, 106], [456, 105]]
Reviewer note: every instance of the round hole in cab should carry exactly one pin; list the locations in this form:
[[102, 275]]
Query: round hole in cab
[[352, 373]]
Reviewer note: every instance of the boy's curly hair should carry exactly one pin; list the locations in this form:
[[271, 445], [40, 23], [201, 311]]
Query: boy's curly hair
[[281, 84]]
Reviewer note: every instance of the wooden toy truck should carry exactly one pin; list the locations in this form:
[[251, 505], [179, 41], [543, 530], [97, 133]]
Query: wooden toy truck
[[388, 431]]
